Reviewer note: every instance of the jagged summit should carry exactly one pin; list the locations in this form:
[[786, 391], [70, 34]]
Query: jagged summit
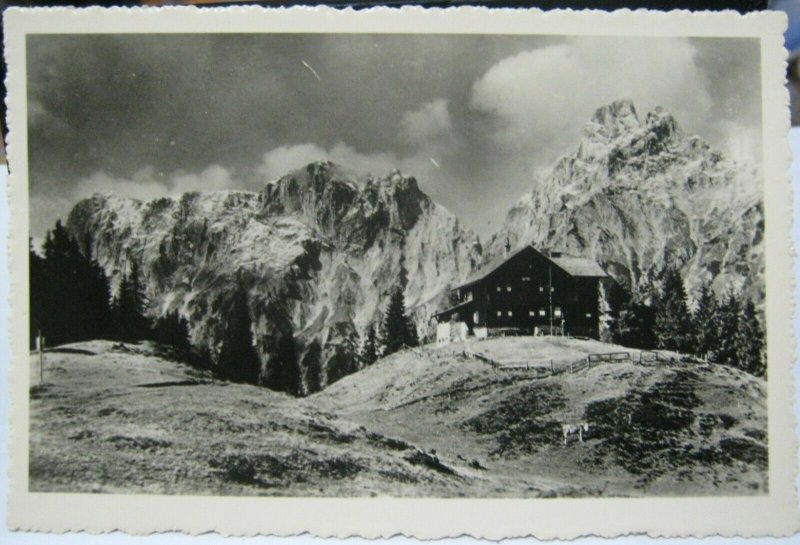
[[344, 208], [613, 119], [617, 125]]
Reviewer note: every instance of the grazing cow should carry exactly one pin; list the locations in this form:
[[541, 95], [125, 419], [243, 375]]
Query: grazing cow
[[570, 429]]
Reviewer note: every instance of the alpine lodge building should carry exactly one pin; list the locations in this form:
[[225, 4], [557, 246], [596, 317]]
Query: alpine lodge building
[[530, 292]]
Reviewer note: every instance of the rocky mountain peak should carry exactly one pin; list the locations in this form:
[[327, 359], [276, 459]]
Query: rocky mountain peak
[[636, 195], [614, 119]]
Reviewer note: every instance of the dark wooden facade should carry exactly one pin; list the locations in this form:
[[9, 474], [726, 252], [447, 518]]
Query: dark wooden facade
[[529, 289]]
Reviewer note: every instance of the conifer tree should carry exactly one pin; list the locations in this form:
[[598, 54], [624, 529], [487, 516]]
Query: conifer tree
[[172, 329], [750, 342], [345, 359], [672, 325], [312, 374], [96, 300], [369, 348], [727, 326], [238, 359], [616, 299], [634, 325], [412, 337], [282, 371], [129, 307], [119, 310], [62, 314], [397, 330], [704, 327]]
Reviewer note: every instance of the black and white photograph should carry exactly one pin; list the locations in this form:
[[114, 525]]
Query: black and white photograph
[[428, 265]]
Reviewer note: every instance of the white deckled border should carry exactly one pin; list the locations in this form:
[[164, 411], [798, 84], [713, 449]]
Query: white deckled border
[[775, 514]]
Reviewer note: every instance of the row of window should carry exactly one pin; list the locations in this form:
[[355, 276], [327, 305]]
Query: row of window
[[557, 313], [542, 313], [508, 288]]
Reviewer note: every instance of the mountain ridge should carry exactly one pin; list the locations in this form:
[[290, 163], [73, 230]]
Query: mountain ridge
[[319, 254]]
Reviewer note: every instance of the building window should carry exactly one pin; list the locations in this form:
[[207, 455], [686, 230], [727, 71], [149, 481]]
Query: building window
[[557, 312], [499, 313], [526, 278], [510, 313], [542, 312], [552, 289], [475, 318], [531, 313], [588, 314], [541, 289], [508, 288], [498, 289]]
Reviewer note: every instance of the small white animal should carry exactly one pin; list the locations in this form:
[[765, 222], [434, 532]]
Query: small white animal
[[570, 429]]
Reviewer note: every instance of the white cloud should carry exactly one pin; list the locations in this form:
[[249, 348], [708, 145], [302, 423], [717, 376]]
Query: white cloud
[[144, 185], [742, 143], [147, 184], [44, 210], [141, 186], [542, 98], [284, 159], [39, 117], [429, 121], [213, 178]]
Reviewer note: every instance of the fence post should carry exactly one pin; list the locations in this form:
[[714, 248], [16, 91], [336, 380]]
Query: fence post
[[552, 368]]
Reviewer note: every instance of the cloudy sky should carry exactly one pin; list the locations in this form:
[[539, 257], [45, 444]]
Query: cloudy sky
[[472, 117]]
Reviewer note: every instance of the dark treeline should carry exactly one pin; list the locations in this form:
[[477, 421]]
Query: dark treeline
[[659, 315], [71, 299]]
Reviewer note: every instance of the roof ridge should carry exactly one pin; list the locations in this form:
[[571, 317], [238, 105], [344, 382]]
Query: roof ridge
[[590, 267]]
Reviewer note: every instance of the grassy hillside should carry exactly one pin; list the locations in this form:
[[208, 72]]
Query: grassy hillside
[[429, 421]]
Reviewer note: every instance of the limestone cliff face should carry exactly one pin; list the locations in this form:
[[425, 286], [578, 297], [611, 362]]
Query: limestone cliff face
[[639, 193], [318, 250]]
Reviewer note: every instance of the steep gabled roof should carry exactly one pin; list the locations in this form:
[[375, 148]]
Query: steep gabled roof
[[579, 266], [574, 266], [490, 267]]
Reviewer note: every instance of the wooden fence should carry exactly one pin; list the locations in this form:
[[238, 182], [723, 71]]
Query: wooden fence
[[543, 368], [609, 357], [547, 367], [647, 357]]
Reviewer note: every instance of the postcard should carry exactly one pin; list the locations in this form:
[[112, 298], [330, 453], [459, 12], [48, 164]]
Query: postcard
[[434, 272]]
